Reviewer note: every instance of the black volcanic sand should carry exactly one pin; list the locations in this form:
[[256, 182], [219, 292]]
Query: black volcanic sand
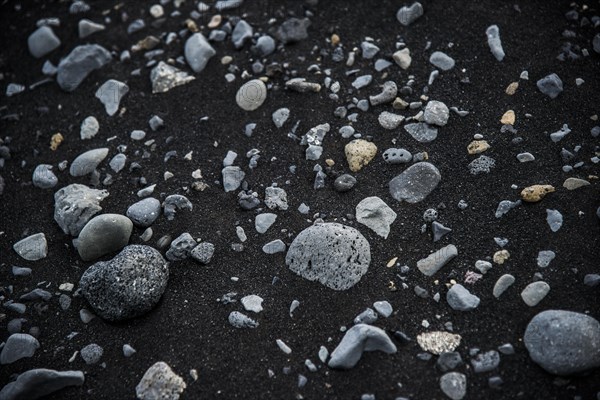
[[189, 328]]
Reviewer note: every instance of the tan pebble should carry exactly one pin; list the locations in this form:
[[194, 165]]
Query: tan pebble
[[501, 256], [215, 21], [335, 39], [508, 118], [191, 25], [399, 104], [478, 146], [330, 162], [392, 262], [594, 117], [574, 183], [512, 88], [359, 153], [226, 60], [535, 193], [56, 140], [392, 286]]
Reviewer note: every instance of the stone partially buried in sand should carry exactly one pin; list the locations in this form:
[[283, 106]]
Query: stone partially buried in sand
[[198, 51], [415, 183], [129, 285], [359, 153], [333, 254]]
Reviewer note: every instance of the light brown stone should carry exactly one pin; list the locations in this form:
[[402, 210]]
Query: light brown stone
[[508, 118], [478, 146], [534, 193], [335, 39], [501, 256], [55, 141], [215, 21], [359, 153], [512, 88]]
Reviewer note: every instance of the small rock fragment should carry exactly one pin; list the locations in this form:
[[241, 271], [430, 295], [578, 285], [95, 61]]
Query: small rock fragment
[[359, 338], [534, 193], [359, 153], [160, 382], [435, 261], [376, 215], [460, 299], [493, 37], [503, 283]]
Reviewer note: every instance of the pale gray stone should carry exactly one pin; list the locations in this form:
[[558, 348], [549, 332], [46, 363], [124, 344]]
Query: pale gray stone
[[74, 68], [165, 77], [160, 382], [87, 162], [198, 52], [103, 235], [435, 261], [32, 248], [359, 338], [376, 215], [38, 383], [460, 299], [415, 183], [110, 94], [42, 41]]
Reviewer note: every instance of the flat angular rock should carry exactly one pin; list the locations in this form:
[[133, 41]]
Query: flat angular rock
[[421, 132], [110, 94], [165, 77], [38, 383], [144, 212], [534, 293], [376, 215], [262, 222], [109, 285], [251, 95], [441, 60], [435, 261], [198, 51], [87, 162], [460, 299], [554, 219], [160, 382], [18, 346], [335, 255], [252, 303], [276, 198], [74, 68], [42, 42], [360, 338], [32, 248], [550, 85], [75, 205], [439, 230], [408, 14], [563, 342], [415, 183]]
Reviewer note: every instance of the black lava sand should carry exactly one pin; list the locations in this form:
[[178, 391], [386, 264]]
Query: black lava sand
[[189, 328]]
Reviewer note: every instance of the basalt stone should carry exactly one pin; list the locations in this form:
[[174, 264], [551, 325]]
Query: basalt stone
[[129, 285], [415, 183], [103, 235]]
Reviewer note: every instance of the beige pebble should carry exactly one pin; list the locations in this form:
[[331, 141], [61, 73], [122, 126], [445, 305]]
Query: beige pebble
[[501, 256], [478, 146], [335, 39], [215, 21], [508, 118], [512, 88], [574, 183], [359, 153], [399, 104], [330, 162], [392, 262], [226, 60], [534, 193], [191, 25], [55, 141]]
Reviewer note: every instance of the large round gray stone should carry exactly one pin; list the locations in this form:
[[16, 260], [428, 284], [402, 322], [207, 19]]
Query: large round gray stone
[[415, 183], [103, 235], [127, 286], [333, 254], [563, 342]]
